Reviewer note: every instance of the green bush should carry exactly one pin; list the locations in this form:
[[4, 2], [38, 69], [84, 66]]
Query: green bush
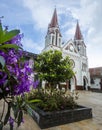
[[55, 100]]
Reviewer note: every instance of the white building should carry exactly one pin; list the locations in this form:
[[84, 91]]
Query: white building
[[75, 49], [96, 78]]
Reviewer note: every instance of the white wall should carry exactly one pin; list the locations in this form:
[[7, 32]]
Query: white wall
[[96, 83]]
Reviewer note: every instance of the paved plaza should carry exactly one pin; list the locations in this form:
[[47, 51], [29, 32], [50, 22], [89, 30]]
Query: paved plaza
[[86, 98]]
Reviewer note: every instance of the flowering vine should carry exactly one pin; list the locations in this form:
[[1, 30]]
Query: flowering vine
[[15, 77]]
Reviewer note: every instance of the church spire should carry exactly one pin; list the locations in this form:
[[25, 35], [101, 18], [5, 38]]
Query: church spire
[[53, 37], [78, 35], [79, 41], [54, 20]]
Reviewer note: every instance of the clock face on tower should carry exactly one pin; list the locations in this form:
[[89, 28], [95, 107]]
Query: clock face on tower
[[71, 48]]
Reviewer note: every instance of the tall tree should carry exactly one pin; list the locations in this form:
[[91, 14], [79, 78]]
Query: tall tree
[[53, 68]]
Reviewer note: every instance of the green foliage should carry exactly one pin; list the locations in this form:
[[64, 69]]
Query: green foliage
[[6, 36], [16, 104], [1, 125], [7, 46], [7, 114], [57, 100], [2, 61], [20, 117], [52, 68]]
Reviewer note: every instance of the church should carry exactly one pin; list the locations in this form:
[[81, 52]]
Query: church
[[75, 49]]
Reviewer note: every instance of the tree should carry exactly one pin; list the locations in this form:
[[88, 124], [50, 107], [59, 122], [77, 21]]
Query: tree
[[53, 68]]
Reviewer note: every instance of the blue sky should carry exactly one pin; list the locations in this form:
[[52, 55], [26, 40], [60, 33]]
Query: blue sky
[[33, 16]]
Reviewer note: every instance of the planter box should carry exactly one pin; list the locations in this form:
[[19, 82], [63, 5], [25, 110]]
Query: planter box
[[50, 119]]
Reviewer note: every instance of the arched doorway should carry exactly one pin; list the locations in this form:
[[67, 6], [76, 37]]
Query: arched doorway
[[72, 83], [85, 82]]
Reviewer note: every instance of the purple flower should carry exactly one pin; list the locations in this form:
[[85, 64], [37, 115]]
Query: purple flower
[[11, 121], [22, 120], [16, 77], [20, 71], [3, 78], [35, 84], [17, 40]]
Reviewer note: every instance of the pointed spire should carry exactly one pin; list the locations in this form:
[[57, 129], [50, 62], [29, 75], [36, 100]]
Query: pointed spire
[[78, 35], [54, 20]]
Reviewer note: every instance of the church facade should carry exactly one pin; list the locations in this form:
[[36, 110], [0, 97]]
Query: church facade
[[75, 49]]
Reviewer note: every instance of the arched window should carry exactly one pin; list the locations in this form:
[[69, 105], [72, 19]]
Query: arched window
[[52, 40]]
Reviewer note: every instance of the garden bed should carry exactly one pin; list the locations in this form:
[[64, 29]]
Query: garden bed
[[50, 119]]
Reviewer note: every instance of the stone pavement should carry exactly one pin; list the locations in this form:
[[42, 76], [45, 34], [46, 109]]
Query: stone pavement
[[86, 98], [92, 100]]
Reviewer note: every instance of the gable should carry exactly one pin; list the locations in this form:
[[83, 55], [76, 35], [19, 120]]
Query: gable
[[70, 47]]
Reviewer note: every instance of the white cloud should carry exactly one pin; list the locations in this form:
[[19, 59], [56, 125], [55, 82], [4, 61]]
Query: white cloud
[[88, 13], [69, 34], [90, 19], [39, 13], [31, 46], [94, 54], [15, 14], [42, 10]]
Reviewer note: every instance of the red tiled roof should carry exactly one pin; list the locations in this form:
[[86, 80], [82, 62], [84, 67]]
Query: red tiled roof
[[95, 71]]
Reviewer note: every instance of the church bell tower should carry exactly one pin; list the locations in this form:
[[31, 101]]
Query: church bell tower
[[79, 41], [53, 37]]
